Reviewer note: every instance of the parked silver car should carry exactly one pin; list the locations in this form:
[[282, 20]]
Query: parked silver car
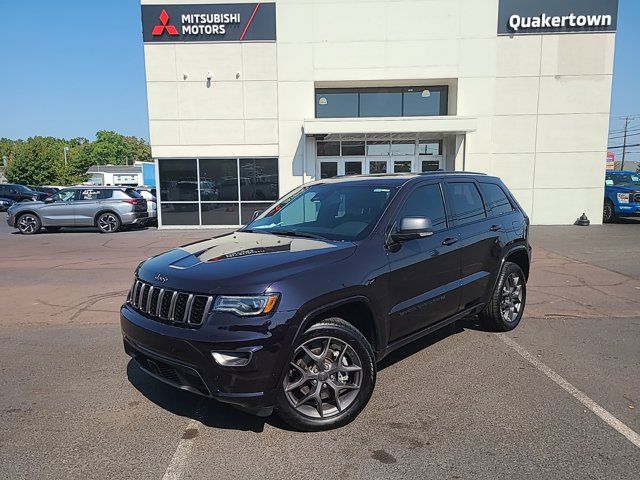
[[107, 208]]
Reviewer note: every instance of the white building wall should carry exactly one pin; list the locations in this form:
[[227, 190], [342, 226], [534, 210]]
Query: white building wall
[[542, 102]]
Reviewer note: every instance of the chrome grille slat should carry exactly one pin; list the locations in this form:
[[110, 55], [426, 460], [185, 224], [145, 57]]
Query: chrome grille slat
[[187, 310], [181, 308], [159, 306], [172, 308]]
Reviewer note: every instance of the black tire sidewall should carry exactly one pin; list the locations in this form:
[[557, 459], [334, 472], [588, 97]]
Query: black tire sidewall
[[612, 218], [508, 269], [337, 328]]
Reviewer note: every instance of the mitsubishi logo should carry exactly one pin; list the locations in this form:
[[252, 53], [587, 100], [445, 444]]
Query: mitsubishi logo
[[164, 20]]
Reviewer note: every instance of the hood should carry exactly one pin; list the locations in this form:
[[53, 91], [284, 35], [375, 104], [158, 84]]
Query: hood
[[624, 188], [240, 263]]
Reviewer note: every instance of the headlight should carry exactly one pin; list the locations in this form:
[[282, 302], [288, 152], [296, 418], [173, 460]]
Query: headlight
[[623, 198], [246, 306]]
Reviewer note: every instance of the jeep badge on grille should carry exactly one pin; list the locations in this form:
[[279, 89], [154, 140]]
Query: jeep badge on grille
[[162, 279]]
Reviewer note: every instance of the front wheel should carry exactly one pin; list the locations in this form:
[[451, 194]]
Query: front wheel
[[28, 224], [108, 222], [506, 306], [329, 379], [609, 212]]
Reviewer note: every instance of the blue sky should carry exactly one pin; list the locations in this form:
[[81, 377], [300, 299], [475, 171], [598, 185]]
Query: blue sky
[[70, 68]]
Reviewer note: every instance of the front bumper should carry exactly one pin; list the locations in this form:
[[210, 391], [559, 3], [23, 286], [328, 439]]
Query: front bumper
[[628, 209], [182, 357]]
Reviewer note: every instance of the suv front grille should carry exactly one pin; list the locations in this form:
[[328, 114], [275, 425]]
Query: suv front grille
[[165, 305]]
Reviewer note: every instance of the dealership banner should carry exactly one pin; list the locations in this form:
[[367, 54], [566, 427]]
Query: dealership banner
[[232, 22], [534, 17]]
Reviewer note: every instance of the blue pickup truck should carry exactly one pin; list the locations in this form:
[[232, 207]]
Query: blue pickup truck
[[621, 195]]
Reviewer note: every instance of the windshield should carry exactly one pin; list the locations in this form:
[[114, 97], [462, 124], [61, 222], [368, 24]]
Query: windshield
[[335, 211], [623, 179]]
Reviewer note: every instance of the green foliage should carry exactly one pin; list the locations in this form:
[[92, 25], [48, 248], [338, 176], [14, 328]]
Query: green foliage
[[40, 160]]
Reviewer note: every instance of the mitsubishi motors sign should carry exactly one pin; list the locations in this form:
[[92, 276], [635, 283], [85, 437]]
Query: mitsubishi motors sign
[[233, 22], [535, 17]]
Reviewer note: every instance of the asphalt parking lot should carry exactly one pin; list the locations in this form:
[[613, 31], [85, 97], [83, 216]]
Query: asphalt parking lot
[[462, 403]]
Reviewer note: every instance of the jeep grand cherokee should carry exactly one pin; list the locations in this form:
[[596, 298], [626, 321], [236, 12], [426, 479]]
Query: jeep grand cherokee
[[294, 311]]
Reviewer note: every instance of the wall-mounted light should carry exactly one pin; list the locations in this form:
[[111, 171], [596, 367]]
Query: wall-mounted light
[[209, 77], [237, 75], [185, 75]]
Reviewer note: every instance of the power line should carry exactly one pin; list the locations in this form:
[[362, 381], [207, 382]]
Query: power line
[[623, 136], [624, 146], [634, 129]]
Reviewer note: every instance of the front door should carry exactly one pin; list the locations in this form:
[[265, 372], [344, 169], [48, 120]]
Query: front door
[[425, 272], [59, 210]]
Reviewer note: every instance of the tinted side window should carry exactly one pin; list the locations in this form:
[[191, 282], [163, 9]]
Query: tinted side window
[[495, 199], [426, 202], [466, 203], [64, 196]]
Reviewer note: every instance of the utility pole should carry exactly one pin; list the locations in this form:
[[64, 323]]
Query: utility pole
[[624, 144]]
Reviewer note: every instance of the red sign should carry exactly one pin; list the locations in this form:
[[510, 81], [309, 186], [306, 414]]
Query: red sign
[[164, 25]]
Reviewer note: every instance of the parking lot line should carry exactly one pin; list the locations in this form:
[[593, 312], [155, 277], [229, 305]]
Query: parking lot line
[[604, 415], [179, 460]]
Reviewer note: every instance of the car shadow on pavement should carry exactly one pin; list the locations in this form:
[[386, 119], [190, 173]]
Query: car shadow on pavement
[[467, 323], [206, 410]]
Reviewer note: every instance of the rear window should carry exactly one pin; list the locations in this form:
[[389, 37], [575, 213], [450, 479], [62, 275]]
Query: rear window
[[132, 193], [495, 199]]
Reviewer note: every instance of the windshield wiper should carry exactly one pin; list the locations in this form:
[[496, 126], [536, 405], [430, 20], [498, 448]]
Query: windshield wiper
[[295, 233]]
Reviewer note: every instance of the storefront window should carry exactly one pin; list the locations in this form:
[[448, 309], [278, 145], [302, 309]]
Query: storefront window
[[178, 180], [258, 179], [382, 102], [352, 149], [425, 102], [328, 169], [378, 148], [352, 168], [336, 104], [328, 149], [430, 148], [403, 148], [210, 192]]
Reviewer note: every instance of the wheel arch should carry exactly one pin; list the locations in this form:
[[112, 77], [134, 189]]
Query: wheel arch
[[24, 212], [520, 256], [355, 310]]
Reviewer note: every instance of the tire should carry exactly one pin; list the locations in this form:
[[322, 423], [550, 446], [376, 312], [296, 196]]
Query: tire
[[28, 224], [506, 307], [108, 222], [609, 212], [52, 229], [335, 344]]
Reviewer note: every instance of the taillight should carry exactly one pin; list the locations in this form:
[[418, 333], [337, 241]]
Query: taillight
[[135, 201]]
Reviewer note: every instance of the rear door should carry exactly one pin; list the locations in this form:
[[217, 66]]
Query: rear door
[[480, 240], [86, 205], [60, 212], [425, 272]]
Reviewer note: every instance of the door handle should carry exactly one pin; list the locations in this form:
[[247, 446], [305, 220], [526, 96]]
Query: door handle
[[495, 228], [449, 241]]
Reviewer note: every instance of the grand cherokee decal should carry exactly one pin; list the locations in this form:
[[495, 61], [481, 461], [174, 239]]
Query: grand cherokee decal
[[232, 22]]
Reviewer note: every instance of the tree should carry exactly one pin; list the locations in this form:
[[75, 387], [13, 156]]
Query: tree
[[40, 160]]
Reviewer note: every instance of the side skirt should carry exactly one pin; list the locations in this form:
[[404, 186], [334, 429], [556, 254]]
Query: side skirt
[[426, 331]]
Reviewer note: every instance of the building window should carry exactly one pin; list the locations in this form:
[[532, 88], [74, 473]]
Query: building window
[[382, 102], [328, 149], [403, 148], [353, 149], [215, 191], [376, 148], [328, 169], [336, 104], [433, 147]]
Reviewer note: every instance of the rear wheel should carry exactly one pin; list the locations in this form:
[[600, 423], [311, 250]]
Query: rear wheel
[[506, 307], [329, 379], [108, 222], [609, 212], [28, 224]]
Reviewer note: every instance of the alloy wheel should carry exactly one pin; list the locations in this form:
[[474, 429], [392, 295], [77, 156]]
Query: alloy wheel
[[324, 377], [511, 301], [108, 222], [27, 223], [608, 212]]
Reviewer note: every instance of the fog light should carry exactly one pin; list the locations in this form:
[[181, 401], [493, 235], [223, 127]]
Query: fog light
[[232, 359]]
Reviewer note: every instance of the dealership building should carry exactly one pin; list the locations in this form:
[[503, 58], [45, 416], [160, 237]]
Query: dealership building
[[249, 100]]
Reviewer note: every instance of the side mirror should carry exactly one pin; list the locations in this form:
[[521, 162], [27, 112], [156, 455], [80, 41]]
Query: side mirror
[[256, 214], [411, 228]]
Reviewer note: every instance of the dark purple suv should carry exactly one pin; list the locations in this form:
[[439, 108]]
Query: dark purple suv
[[295, 310]]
